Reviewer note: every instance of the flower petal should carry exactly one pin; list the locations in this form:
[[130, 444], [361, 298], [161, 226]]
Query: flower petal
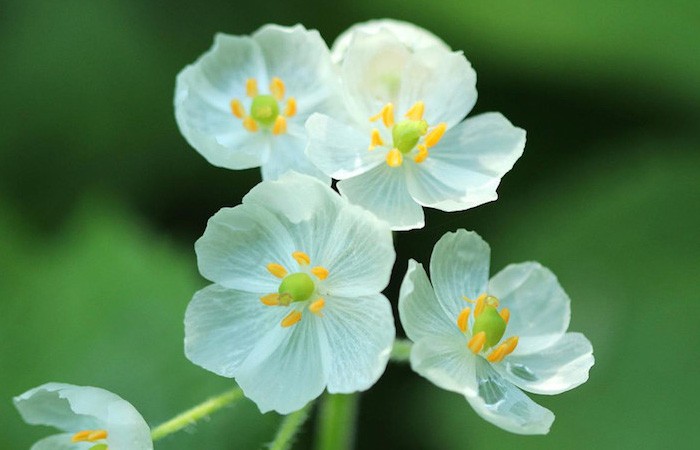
[[383, 192], [288, 154], [420, 312], [466, 166], [459, 267], [223, 326], [287, 369], [505, 406], [359, 333], [446, 362], [61, 442], [553, 370], [49, 404], [339, 150], [237, 245], [540, 309]]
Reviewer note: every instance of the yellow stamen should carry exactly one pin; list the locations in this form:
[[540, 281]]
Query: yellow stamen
[[251, 87], [422, 154], [292, 318], [97, 435], [505, 314], [394, 158], [277, 88], [416, 111], [463, 319], [302, 258], [476, 343], [317, 306], [89, 436], [81, 436], [497, 354], [280, 125], [291, 107], [270, 299], [250, 124], [375, 139], [237, 108], [386, 114], [320, 272], [480, 305], [510, 344], [277, 270], [435, 135]]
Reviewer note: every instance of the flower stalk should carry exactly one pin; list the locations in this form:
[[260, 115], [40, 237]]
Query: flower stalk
[[337, 421]]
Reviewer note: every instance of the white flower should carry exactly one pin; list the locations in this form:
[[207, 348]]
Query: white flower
[[296, 305], [466, 344], [244, 102], [89, 417], [414, 37], [405, 145]]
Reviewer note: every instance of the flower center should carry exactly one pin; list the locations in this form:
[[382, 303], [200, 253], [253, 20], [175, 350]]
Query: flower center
[[406, 135], [265, 108], [297, 287], [488, 328], [91, 436]]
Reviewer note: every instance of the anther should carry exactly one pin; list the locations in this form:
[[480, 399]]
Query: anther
[[250, 124], [317, 306], [89, 436], [280, 125], [394, 158], [480, 305], [277, 88], [497, 354], [270, 299], [291, 108], [81, 436], [302, 258], [237, 108], [320, 272], [510, 344], [251, 87], [505, 314], [291, 319], [422, 154], [277, 270], [434, 136], [476, 343], [463, 319], [416, 111], [386, 114], [375, 139], [97, 435]]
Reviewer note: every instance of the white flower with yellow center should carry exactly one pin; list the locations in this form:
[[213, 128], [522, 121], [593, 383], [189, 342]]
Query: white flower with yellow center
[[405, 145], [244, 102], [90, 418], [486, 338], [296, 305]]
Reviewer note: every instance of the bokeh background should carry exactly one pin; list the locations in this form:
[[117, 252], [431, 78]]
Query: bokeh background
[[101, 200]]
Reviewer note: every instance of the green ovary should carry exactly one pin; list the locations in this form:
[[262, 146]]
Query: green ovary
[[264, 109], [407, 133], [490, 322], [299, 286]]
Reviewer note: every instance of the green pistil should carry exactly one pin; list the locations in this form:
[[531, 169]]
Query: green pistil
[[264, 109], [490, 322], [299, 286], [407, 133]]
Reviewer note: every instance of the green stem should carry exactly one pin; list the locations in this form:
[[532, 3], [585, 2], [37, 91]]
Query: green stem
[[336, 422], [401, 350], [289, 428], [192, 415]]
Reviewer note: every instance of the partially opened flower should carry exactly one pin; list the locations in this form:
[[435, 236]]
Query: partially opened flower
[[89, 418], [405, 145], [296, 305], [244, 102], [487, 339]]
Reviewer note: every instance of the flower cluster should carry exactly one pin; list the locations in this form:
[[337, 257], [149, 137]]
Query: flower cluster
[[297, 270]]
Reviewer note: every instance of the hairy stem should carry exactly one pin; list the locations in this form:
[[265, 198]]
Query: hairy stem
[[289, 428]]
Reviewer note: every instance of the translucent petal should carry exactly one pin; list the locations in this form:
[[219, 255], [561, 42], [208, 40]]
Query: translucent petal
[[237, 245], [420, 312], [288, 154], [286, 370], [413, 37], [222, 327], [49, 404], [505, 406], [459, 267], [383, 192], [359, 334], [339, 150], [61, 442], [443, 80], [553, 370], [446, 362], [539, 308], [466, 166]]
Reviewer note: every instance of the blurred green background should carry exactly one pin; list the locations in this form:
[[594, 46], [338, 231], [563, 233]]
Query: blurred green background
[[101, 200]]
